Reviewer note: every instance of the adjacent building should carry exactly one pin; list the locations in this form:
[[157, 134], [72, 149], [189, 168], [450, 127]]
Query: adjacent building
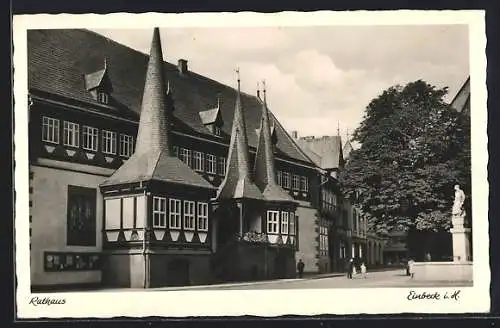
[[144, 174]]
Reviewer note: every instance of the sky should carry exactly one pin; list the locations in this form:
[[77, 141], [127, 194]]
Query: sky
[[321, 78]]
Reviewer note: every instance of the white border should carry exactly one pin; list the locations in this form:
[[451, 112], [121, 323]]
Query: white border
[[108, 304]]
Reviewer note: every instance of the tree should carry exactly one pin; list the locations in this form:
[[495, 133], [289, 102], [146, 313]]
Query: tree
[[414, 148]]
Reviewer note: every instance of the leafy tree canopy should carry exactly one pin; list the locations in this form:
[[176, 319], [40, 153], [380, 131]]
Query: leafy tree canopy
[[414, 148]]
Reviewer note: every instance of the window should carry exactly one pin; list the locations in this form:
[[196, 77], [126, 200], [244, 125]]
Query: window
[[159, 212], [50, 130], [198, 161], [188, 215], [108, 142], [295, 182], [126, 145], [286, 180], [202, 217], [71, 134], [279, 178], [175, 151], [304, 184], [210, 163], [216, 130], [292, 223], [221, 166], [342, 250], [102, 97], [185, 156], [90, 138], [174, 215], [284, 223], [81, 216], [272, 221]]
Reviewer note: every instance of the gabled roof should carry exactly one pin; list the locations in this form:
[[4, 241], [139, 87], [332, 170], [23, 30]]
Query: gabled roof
[[237, 183], [264, 169], [328, 148], [461, 101], [209, 116], [153, 158], [310, 153], [59, 58], [94, 79]]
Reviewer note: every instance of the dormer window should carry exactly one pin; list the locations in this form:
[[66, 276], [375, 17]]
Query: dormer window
[[212, 119], [102, 97], [216, 130], [99, 84]]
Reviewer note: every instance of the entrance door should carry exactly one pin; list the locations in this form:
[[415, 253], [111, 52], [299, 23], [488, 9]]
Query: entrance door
[[280, 264], [178, 273]]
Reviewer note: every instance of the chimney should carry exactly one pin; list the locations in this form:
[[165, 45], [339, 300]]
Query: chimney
[[182, 65], [295, 134]]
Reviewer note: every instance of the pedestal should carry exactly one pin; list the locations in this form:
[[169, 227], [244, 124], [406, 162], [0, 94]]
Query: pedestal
[[461, 239]]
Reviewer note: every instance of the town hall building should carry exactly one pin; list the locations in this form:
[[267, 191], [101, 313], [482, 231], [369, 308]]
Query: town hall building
[[146, 174]]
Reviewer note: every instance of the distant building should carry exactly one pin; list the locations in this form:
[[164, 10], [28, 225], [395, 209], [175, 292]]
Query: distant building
[[347, 235], [461, 101]]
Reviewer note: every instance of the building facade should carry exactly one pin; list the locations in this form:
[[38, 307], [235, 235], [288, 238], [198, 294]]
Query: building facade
[[108, 125]]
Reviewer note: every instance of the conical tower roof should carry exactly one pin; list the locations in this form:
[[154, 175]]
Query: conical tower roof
[[153, 158], [238, 183], [264, 171]]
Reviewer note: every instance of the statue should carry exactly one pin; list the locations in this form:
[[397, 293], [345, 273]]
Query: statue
[[459, 201]]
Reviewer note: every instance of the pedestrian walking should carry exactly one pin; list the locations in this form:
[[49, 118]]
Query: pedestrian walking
[[363, 270], [411, 268], [350, 269], [300, 268]]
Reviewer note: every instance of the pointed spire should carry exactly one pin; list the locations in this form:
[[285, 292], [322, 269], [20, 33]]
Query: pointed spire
[[338, 128], [153, 158], [237, 182], [264, 168], [258, 90], [154, 124]]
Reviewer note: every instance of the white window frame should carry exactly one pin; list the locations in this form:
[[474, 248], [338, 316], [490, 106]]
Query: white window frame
[[126, 145], [211, 164], [71, 134], [304, 184], [286, 180], [217, 130], [295, 182], [185, 156], [221, 166], [189, 215], [102, 97], [160, 212], [292, 225], [202, 216], [273, 218], [109, 139], [90, 138], [174, 213], [279, 178], [50, 129], [284, 223], [198, 161]]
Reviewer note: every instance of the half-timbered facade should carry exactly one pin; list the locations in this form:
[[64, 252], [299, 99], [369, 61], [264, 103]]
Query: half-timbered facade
[[102, 214]]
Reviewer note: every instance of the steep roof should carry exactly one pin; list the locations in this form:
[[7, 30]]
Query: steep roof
[[347, 149], [461, 101], [153, 158], [328, 148], [238, 183], [59, 58], [209, 116], [264, 169]]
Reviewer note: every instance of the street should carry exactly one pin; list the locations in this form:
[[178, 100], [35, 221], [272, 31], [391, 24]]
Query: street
[[381, 279]]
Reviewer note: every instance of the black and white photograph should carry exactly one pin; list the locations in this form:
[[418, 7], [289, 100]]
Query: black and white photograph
[[235, 164]]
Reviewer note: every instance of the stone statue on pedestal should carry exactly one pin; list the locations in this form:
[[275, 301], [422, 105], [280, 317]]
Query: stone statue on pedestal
[[460, 234], [458, 204]]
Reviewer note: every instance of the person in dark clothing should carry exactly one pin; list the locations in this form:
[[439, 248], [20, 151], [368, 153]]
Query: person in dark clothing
[[300, 268], [350, 269]]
